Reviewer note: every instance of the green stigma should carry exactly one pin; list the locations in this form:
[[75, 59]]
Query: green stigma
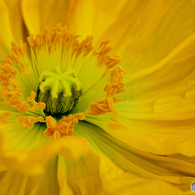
[[59, 90]]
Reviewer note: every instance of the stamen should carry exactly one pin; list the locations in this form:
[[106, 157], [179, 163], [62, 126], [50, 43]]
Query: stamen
[[64, 127], [19, 52], [23, 107], [40, 119], [8, 75], [31, 98], [15, 56], [26, 122], [60, 84], [115, 86], [3, 118], [25, 69], [117, 124], [36, 105], [7, 59]]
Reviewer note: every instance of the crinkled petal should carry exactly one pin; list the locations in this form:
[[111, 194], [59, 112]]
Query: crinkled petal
[[142, 35], [14, 182], [34, 162], [96, 174], [136, 161], [162, 137], [162, 111], [22, 138], [102, 16], [138, 186]]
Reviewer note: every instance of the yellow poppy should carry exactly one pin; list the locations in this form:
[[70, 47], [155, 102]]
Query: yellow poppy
[[77, 118]]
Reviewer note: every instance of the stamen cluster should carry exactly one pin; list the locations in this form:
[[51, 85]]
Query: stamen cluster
[[64, 127], [64, 45]]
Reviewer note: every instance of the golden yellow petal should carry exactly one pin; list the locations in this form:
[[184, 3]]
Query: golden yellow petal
[[135, 27], [39, 14], [161, 133], [14, 182], [152, 34], [69, 147], [138, 186], [34, 162], [122, 149], [92, 174], [11, 26], [95, 17], [96, 174]]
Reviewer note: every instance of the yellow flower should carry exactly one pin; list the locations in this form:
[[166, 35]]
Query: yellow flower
[[75, 118]]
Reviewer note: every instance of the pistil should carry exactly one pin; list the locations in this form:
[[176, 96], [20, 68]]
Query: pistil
[[59, 90]]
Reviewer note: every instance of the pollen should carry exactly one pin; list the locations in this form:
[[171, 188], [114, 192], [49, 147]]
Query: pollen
[[26, 121], [35, 105], [115, 86], [3, 117], [19, 54], [64, 127]]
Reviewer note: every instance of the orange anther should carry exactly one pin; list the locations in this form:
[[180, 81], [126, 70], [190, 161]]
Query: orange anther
[[15, 57], [64, 127], [22, 65], [3, 117], [14, 45], [24, 107], [40, 119], [120, 91], [21, 119], [121, 69], [14, 84], [42, 105], [50, 122], [26, 122], [5, 83], [32, 96], [56, 134], [92, 112], [80, 116], [31, 41], [30, 122]]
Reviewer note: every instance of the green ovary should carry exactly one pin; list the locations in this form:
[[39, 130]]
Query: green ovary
[[59, 90]]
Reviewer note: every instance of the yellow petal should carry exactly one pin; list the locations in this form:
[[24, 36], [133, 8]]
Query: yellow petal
[[69, 147], [38, 14], [144, 41], [13, 182], [92, 174], [135, 27], [95, 17], [122, 150], [11, 26], [96, 174], [138, 186], [161, 126], [84, 16], [159, 137], [34, 162]]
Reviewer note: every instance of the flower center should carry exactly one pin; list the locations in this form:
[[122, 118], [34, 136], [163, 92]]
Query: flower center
[[59, 90], [49, 69]]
